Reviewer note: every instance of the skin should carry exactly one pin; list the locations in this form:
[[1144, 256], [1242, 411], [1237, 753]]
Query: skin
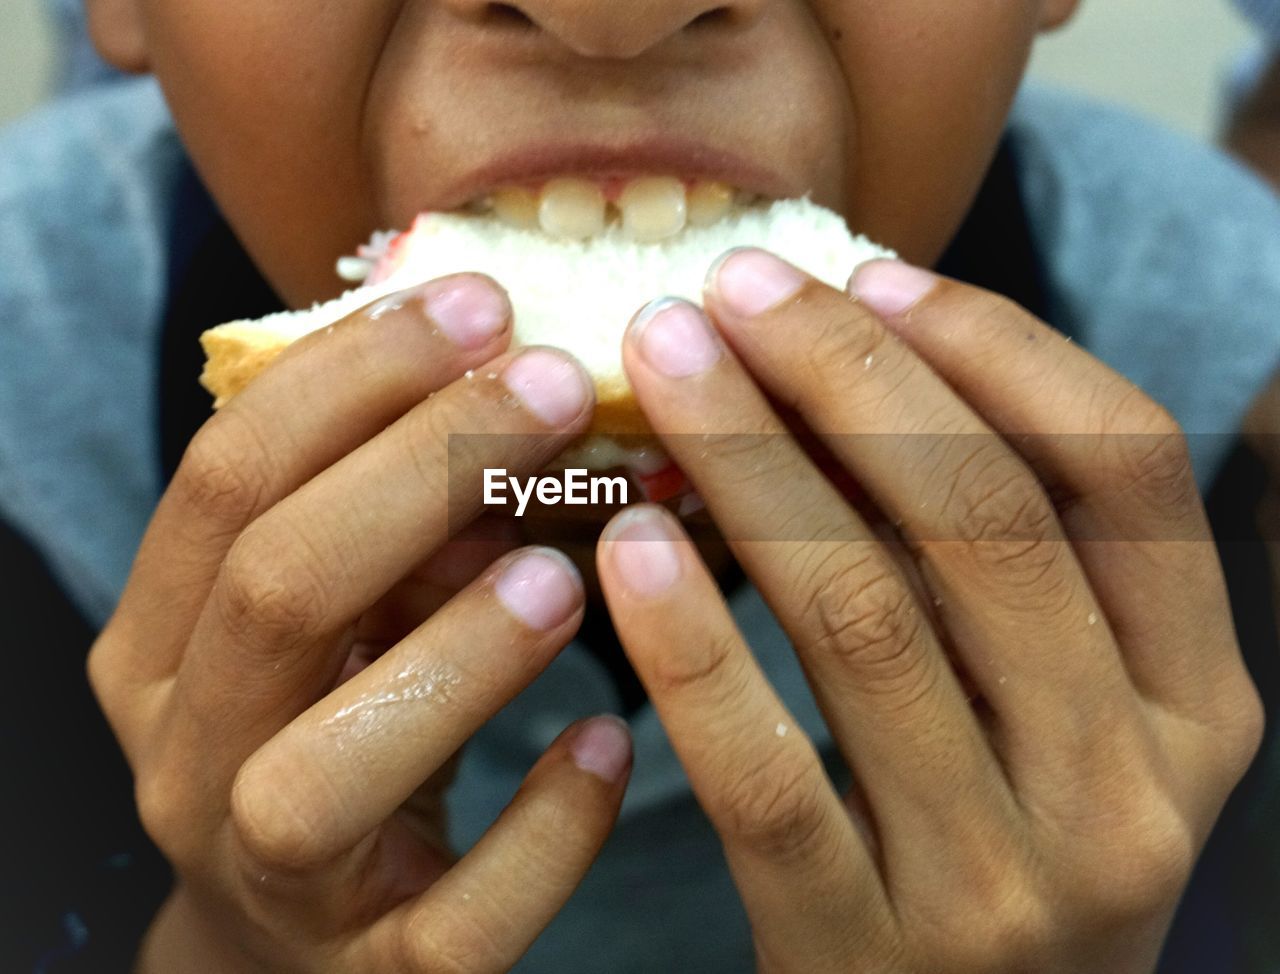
[[373, 90], [1253, 134], [1254, 130], [284, 670], [1012, 836]]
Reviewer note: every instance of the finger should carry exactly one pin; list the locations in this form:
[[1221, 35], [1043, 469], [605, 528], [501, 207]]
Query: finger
[[795, 855], [879, 675], [429, 586], [988, 537], [1118, 461], [325, 395], [331, 777], [268, 642], [483, 914]]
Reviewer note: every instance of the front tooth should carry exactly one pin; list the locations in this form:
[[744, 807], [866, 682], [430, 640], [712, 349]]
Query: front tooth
[[571, 208], [653, 208], [516, 206], [709, 202], [354, 269]]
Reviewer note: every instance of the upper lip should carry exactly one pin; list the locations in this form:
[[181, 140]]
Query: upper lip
[[537, 162]]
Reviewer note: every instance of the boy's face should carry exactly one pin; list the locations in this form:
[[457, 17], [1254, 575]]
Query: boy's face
[[316, 122]]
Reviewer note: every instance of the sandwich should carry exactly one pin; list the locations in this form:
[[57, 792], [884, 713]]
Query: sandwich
[[575, 278]]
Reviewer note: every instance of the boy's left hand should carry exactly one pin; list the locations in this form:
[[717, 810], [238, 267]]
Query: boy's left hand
[[1055, 549]]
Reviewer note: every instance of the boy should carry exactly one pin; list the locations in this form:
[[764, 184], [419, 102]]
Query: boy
[[1049, 827]]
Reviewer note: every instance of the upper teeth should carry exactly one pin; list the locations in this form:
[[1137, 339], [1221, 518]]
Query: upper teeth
[[709, 202], [654, 208], [649, 208], [516, 206], [571, 208]]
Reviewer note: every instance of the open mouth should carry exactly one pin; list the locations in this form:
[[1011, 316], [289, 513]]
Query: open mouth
[[639, 209], [646, 209]]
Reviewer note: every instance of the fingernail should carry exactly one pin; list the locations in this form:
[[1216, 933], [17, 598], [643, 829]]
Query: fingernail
[[748, 281], [890, 287], [468, 309], [643, 550], [551, 386], [675, 338], [602, 747], [541, 588]]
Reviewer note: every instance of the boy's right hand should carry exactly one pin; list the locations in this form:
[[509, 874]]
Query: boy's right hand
[[274, 772]]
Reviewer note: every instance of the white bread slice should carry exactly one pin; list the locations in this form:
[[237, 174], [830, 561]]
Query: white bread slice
[[578, 296]]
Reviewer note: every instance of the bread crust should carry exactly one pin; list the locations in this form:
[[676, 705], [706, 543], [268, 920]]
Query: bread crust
[[236, 353]]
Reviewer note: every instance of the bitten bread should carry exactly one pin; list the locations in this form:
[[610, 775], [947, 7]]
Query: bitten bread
[[576, 295]]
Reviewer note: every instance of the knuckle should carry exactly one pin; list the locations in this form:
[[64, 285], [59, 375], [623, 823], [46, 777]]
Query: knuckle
[[775, 807], [466, 411], [1133, 411], [365, 358], [101, 670], [1018, 931], [223, 475], [1007, 525], [754, 458], [1005, 922], [1021, 924], [1161, 466], [448, 942], [995, 497], [165, 817], [273, 829], [1247, 726], [1233, 722], [444, 450], [1148, 876], [754, 453], [1164, 853], [118, 694], [842, 335], [866, 617], [1143, 862], [1155, 460], [1154, 879], [268, 596], [710, 672]]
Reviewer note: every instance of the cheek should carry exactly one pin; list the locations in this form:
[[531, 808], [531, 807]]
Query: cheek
[[931, 83], [267, 97]]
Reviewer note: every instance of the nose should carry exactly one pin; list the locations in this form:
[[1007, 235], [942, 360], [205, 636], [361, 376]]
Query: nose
[[612, 28]]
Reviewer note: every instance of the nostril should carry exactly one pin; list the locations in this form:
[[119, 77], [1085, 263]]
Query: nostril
[[505, 14], [720, 16]]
